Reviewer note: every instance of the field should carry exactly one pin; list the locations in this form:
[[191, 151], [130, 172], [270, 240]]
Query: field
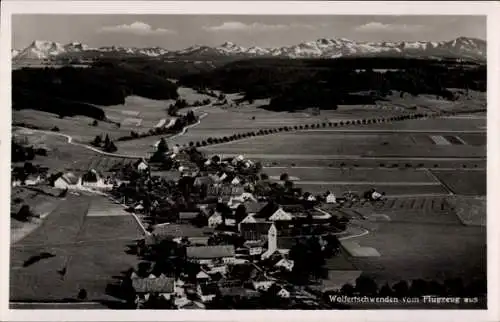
[[464, 182], [420, 237], [390, 190], [358, 175], [412, 250], [138, 114], [326, 144], [92, 249]]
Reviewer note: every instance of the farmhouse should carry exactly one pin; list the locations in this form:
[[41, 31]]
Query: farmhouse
[[280, 214], [67, 181], [330, 198], [92, 179], [285, 263], [206, 291], [261, 283], [210, 254], [142, 166], [216, 220], [163, 286]]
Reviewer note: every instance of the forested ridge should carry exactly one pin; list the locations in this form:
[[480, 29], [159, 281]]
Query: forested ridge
[[71, 91], [300, 83]]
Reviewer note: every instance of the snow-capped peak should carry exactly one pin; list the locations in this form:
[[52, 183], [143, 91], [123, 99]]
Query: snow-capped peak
[[322, 47]]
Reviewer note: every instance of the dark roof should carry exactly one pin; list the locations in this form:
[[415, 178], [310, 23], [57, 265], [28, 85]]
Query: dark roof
[[208, 288], [254, 231], [205, 180], [207, 252], [225, 190], [188, 215], [153, 285], [268, 210], [254, 207], [238, 291]]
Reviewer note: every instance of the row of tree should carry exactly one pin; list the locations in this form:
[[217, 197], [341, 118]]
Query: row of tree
[[106, 145]]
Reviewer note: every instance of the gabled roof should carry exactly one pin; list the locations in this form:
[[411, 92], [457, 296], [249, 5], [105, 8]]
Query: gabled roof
[[153, 285], [268, 210], [70, 178], [280, 214], [253, 207], [208, 252]]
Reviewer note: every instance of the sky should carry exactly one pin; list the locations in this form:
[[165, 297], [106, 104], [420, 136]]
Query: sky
[[176, 32]]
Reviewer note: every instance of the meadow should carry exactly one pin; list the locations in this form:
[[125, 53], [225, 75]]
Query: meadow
[[428, 251], [464, 182], [92, 249]]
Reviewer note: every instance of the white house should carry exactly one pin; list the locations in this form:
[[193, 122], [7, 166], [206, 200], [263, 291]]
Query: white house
[[376, 195], [67, 181], [176, 149], [280, 214], [93, 180], [311, 198], [330, 198], [216, 220], [236, 181], [285, 263], [142, 166], [283, 293]]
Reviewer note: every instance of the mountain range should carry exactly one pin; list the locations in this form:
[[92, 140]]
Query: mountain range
[[460, 48]]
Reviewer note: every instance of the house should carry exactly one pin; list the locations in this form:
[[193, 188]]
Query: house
[[207, 291], [311, 198], [236, 181], [157, 285], [280, 214], [92, 179], [67, 181], [261, 283], [210, 254], [215, 220], [202, 277], [254, 247], [330, 198], [254, 230], [285, 263], [139, 208], [142, 166], [278, 290]]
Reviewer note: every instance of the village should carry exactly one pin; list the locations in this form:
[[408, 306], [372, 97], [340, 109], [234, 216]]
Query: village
[[219, 233]]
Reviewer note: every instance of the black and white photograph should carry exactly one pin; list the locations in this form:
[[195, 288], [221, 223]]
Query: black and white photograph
[[247, 161]]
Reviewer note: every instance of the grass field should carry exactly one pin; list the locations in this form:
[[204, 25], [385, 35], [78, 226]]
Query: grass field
[[373, 175], [327, 144], [91, 248], [390, 190], [470, 210], [412, 251], [464, 182]]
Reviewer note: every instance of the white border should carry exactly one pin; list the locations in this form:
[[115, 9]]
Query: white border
[[489, 8]]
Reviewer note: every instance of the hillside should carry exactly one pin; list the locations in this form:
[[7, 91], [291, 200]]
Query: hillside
[[74, 91]]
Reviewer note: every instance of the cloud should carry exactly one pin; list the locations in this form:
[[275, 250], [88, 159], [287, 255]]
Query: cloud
[[136, 28], [253, 27], [382, 27]]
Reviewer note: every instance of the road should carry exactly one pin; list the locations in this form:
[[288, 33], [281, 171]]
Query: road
[[348, 157]]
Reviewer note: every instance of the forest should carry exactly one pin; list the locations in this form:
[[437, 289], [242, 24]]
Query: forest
[[301, 83], [71, 91]]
